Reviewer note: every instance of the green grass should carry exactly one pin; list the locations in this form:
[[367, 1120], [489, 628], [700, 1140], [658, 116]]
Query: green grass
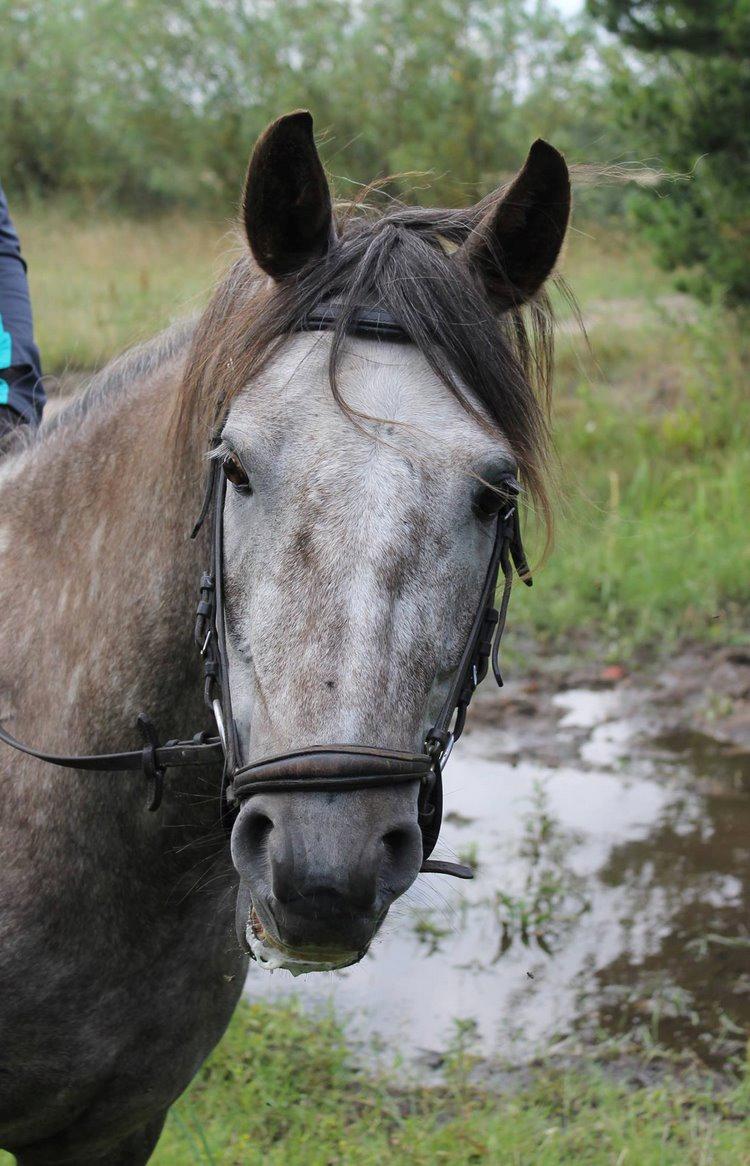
[[651, 426], [651, 431], [603, 266], [282, 1090]]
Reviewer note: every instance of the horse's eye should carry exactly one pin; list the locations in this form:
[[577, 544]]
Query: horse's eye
[[235, 472], [488, 500]]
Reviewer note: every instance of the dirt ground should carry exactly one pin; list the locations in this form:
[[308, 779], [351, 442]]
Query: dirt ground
[[701, 692]]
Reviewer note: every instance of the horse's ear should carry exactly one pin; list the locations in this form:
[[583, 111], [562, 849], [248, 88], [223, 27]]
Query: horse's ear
[[287, 203], [515, 246]]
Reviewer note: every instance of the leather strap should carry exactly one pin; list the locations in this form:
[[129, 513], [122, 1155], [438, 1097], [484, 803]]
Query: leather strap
[[152, 760], [368, 323], [486, 632], [330, 767], [167, 756]]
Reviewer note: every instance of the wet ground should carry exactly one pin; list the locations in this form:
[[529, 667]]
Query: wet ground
[[608, 818]]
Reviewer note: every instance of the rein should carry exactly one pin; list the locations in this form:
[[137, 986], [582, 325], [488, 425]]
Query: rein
[[321, 767]]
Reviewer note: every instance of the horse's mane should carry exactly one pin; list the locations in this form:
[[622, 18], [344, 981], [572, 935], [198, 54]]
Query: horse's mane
[[401, 261], [133, 365]]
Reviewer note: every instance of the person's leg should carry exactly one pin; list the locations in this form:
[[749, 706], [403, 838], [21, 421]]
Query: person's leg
[[22, 394]]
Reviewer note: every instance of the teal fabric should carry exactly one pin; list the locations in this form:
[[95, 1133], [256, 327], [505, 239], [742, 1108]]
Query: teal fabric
[[21, 385], [6, 348]]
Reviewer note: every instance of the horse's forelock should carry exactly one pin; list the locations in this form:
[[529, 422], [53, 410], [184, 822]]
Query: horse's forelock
[[403, 262]]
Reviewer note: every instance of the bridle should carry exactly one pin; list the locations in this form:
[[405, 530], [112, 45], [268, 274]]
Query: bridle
[[322, 767]]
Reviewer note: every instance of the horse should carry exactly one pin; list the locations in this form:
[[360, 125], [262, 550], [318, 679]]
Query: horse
[[362, 478]]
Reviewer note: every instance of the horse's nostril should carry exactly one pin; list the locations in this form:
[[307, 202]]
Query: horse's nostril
[[398, 842], [257, 828]]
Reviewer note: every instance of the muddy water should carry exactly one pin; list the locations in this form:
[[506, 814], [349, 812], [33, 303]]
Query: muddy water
[[611, 903]]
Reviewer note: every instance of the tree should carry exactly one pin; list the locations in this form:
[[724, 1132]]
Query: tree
[[686, 94], [147, 103]]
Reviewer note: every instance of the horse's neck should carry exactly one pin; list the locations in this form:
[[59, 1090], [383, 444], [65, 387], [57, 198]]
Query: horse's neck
[[99, 580]]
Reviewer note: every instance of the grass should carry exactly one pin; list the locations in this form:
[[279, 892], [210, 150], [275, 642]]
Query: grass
[[282, 1090], [651, 426], [101, 285]]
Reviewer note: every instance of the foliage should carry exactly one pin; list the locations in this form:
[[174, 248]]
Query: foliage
[[145, 104], [97, 98], [685, 96]]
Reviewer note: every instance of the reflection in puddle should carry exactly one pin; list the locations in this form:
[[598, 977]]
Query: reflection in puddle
[[585, 708], [552, 896], [611, 899]]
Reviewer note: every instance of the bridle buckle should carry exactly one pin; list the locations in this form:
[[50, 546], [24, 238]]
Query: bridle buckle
[[219, 718], [439, 747]]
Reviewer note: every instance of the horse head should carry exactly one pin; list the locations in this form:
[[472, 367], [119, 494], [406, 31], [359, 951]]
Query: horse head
[[364, 476]]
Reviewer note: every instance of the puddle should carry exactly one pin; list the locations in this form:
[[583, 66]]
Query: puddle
[[584, 708], [611, 899]]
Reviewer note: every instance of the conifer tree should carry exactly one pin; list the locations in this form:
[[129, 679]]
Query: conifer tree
[[685, 97]]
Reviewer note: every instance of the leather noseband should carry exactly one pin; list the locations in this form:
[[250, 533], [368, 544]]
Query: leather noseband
[[330, 767]]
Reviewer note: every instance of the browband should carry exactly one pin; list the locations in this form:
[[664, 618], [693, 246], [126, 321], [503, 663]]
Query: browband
[[368, 323]]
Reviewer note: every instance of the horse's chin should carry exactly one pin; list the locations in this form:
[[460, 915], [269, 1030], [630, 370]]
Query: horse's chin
[[270, 952]]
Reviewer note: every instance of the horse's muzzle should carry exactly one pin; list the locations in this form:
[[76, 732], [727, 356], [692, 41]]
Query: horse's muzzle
[[321, 871]]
